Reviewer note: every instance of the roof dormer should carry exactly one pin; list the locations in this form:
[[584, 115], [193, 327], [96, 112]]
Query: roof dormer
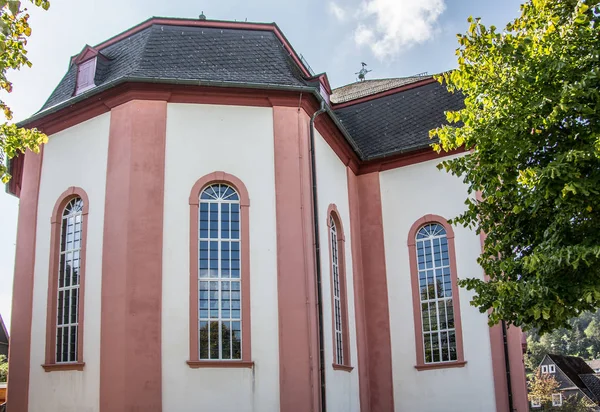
[[324, 86], [87, 63]]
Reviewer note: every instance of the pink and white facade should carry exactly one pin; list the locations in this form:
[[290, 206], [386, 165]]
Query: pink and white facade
[[192, 254]]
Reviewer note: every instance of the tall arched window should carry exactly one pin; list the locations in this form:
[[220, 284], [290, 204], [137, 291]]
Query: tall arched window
[[219, 281], [435, 294], [64, 346], [219, 285], [67, 319], [339, 305]]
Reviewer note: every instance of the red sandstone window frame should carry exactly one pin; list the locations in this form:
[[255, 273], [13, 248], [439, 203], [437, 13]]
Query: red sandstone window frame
[[194, 201], [55, 233], [333, 213], [414, 280]]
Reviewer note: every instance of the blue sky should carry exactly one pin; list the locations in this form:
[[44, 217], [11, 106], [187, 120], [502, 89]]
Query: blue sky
[[394, 37]]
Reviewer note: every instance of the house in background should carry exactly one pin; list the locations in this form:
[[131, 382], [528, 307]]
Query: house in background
[[212, 227], [576, 378], [594, 364], [3, 338]]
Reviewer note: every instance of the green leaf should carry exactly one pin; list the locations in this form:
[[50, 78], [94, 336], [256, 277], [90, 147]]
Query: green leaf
[[14, 6], [531, 120]]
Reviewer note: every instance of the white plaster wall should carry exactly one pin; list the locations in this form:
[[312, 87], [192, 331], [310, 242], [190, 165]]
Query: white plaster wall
[[202, 139], [409, 193], [332, 187], [76, 156]]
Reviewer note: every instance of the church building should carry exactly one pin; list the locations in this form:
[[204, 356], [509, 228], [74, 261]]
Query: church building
[[212, 227]]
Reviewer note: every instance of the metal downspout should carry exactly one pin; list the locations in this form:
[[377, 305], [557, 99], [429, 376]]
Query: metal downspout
[[313, 173], [507, 366]]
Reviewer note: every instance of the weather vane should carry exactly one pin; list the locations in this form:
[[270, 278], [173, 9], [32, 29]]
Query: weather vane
[[363, 72]]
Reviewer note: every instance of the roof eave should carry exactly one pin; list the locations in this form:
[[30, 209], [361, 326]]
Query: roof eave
[[133, 79], [265, 86]]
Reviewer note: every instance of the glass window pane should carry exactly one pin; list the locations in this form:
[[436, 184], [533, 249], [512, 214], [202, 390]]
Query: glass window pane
[[203, 340], [236, 340], [226, 339], [427, 342]]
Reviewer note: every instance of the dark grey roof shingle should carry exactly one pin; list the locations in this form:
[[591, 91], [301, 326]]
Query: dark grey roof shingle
[[398, 122], [161, 52], [193, 53], [573, 367], [592, 382]]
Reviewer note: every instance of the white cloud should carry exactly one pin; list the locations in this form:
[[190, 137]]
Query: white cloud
[[389, 26], [337, 11]]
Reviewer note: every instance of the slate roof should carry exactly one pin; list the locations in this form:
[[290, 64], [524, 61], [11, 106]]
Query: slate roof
[[592, 382], [578, 371], [164, 52], [398, 122], [255, 56], [365, 88]]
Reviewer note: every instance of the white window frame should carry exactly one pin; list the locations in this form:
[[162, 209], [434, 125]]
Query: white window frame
[[430, 241], [551, 368], [337, 294], [218, 279], [535, 403], [69, 254], [544, 368], [557, 402]]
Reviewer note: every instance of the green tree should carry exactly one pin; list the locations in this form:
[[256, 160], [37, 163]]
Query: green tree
[[14, 31], [3, 368], [580, 338], [531, 125], [541, 387]]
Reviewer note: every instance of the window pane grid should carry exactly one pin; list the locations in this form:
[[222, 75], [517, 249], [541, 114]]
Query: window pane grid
[[435, 289], [219, 276], [337, 301], [67, 314]]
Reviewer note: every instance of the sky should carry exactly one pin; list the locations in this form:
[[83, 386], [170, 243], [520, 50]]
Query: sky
[[394, 37]]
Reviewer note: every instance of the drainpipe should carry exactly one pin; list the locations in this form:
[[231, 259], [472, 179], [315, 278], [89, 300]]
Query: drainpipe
[[313, 173], [507, 366]]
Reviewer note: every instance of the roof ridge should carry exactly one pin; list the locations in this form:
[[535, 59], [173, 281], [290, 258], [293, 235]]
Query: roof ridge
[[169, 21], [356, 92], [139, 58], [378, 80]]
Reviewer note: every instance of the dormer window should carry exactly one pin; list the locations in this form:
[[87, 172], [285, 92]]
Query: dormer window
[[86, 72], [90, 64]]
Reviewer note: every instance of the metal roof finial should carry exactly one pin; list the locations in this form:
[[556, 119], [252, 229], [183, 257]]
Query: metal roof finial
[[363, 72], [202, 16]]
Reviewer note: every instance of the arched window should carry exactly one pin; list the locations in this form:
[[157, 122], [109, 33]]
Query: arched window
[[339, 305], [435, 294], [64, 346], [219, 281], [219, 286]]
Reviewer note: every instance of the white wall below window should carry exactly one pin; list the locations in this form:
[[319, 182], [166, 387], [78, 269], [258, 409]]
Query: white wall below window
[[202, 139], [332, 185], [409, 193], [76, 156]]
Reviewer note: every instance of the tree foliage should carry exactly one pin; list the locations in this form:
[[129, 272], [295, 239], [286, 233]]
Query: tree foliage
[[542, 386], [14, 31], [531, 125], [581, 338]]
